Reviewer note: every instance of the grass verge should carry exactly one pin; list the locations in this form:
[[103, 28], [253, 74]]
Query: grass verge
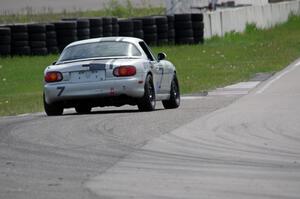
[[219, 62]]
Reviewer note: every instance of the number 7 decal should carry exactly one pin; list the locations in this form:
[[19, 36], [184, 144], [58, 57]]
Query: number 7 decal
[[61, 90]]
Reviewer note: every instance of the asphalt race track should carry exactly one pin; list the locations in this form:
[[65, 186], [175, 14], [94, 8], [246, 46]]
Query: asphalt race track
[[226, 145]]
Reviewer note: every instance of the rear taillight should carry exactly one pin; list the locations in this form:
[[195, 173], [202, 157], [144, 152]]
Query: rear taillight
[[53, 76], [124, 71]]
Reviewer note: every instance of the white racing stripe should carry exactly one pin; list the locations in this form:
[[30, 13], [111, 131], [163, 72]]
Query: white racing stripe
[[267, 85]]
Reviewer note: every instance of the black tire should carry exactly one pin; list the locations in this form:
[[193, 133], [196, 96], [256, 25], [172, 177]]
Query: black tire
[[52, 109], [184, 33], [37, 44], [107, 28], [162, 35], [53, 50], [39, 51], [24, 50], [51, 42], [83, 109], [96, 22], [36, 28], [161, 19], [198, 25], [50, 27], [137, 25], [83, 38], [5, 49], [185, 40], [183, 25], [148, 21], [83, 23], [20, 36], [62, 25], [5, 40], [171, 25], [171, 33], [115, 30], [96, 31], [182, 17], [114, 20], [162, 29], [66, 33], [147, 102], [83, 32], [138, 34], [162, 41], [174, 101], [197, 17], [126, 25], [107, 34], [150, 37], [126, 34], [18, 28], [51, 35], [107, 21], [171, 18], [5, 31], [150, 29], [37, 37], [20, 43]]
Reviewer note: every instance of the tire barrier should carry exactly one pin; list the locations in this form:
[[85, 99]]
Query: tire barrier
[[150, 30], [126, 27], [66, 32], [171, 29], [162, 29], [115, 26], [5, 41], [198, 28], [83, 29], [184, 29], [19, 38], [51, 40], [42, 39], [37, 39], [138, 29], [96, 29], [107, 27]]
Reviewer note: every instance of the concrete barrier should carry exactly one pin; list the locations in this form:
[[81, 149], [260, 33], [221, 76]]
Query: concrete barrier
[[220, 22]]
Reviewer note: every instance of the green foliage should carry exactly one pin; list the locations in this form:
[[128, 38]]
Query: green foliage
[[112, 8]]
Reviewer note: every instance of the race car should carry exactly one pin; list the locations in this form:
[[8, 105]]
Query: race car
[[109, 71]]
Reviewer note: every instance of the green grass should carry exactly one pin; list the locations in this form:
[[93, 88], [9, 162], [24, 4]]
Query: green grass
[[112, 8], [219, 62]]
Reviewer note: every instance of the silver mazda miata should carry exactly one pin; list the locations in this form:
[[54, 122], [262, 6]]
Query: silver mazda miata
[[110, 71]]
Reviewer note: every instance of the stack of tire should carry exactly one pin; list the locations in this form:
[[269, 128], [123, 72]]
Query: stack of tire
[[150, 30], [5, 41], [19, 44], [96, 29], [184, 29], [198, 28], [107, 27], [66, 32], [126, 27], [51, 41], [83, 29], [115, 26], [171, 29], [37, 39], [138, 29], [162, 29]]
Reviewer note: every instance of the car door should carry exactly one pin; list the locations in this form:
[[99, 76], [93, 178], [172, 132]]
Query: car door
[[156, 68]]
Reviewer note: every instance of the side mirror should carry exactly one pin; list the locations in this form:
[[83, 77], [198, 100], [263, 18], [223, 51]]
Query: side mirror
[[54, 63], [161, 56]]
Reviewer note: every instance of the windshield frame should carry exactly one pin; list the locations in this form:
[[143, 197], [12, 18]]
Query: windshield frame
[[99, 57]]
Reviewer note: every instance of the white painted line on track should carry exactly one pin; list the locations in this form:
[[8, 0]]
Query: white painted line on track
[[267, 85], [192, 97]]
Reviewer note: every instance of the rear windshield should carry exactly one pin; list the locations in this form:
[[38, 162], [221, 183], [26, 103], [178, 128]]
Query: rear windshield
[[99, 49]]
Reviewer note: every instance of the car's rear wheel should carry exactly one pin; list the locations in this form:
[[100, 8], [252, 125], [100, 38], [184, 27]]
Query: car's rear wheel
[[147, 102], [174, 100], [52, 109], [83, 109]]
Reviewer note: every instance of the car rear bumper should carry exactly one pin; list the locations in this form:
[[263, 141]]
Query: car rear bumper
[[64, 91]]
